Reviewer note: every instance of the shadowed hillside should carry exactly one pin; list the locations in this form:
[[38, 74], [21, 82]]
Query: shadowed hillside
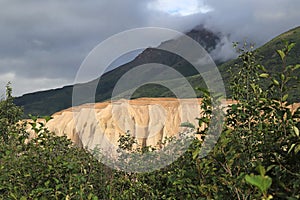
[[59, 99]]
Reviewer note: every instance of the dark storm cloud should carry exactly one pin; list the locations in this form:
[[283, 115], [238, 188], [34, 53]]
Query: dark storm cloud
[[43, 42], [49, 39], [56, 34]]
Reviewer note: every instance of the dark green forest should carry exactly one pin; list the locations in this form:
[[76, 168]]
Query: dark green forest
[[256, 157]]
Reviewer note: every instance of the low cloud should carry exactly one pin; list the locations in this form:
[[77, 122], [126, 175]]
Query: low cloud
[[44, 42], [224, 50]]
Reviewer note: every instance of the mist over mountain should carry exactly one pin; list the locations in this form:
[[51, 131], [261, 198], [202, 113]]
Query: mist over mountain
[[46, 41], [61, 98]]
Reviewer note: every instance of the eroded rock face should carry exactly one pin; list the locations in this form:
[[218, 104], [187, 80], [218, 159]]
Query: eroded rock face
[[149, 120]]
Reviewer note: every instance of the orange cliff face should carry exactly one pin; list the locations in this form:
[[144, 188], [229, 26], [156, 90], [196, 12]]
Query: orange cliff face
[[149, 120]]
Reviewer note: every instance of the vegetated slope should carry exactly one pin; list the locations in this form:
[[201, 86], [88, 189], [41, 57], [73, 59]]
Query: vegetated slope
[[269, 58], [266, 56], [62, 98], [51, 101]]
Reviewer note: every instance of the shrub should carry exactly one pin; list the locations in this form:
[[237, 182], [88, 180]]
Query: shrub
[[256, 157]]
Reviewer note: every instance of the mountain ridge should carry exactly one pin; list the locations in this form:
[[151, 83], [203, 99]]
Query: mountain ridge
[[62, 97]]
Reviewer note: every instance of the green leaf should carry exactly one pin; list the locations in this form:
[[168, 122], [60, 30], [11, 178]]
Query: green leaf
[[291, 46], [261, 182], [270, 167], [275, 82], [47, 118], [261, 170], [196, 153], [261, 67], [263, 99], [297, 148], [253, 87], [297, 66], [234, 107], [284, 98], [296, 130], [281, 54], [291, 148], [33, 118], [203, 90], [264, 75], [187, 125]]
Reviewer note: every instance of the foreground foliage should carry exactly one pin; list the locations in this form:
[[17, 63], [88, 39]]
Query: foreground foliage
[[256, 157]]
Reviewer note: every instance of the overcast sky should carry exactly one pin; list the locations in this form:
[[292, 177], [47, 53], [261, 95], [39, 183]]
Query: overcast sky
[[43, 42]]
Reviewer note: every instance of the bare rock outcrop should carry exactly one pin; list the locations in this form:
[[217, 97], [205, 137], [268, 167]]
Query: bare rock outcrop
[[149, 120]]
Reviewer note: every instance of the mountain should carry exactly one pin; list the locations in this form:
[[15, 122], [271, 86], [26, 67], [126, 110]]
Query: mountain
[[269, 58], [58, 99], [266, 56]]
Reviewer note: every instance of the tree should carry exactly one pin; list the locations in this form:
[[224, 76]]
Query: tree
[[10, 114]]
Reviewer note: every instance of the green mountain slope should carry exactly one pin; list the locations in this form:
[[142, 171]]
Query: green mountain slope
[[267, 56], [48, 102]]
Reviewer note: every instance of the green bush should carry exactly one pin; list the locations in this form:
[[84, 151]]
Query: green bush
[[256, 157]]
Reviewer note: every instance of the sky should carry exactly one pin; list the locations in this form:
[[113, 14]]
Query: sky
[[44, 42]]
